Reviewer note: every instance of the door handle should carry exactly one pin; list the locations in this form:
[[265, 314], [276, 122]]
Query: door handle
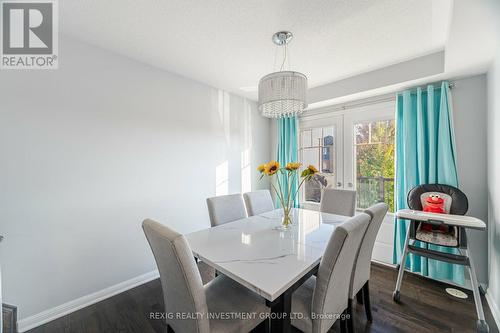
[[349, 184], [339, 184]]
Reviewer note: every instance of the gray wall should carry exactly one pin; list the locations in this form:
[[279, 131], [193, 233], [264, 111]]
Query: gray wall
[[494, 185], [90, 150], [469, 112]]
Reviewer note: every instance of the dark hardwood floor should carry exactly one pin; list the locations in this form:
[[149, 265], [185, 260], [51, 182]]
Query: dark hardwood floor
[[425, 307]]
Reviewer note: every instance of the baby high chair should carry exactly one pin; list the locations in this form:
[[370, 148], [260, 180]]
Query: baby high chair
[[436, 217]]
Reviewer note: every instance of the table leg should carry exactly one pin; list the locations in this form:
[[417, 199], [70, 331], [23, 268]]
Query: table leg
[[281, 308], [280, 313]]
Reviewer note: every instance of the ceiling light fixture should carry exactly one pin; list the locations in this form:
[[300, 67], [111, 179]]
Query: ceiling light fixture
[[283, 93]]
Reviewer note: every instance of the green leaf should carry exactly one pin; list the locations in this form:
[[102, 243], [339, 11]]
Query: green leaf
[[306, 173]]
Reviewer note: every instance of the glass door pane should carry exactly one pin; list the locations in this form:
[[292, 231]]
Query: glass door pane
[[374, 162], [318, 148]]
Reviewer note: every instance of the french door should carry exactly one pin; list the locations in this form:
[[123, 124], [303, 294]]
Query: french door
[[353, 149], [320, 144]]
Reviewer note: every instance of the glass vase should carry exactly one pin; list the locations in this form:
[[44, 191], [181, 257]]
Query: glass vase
[[286, 223]]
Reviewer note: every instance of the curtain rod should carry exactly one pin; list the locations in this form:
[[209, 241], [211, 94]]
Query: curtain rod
[[451, 85], [368, 101]]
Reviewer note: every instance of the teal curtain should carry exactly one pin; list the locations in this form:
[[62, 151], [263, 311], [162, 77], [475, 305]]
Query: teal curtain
[[425, 154], [287, 152]]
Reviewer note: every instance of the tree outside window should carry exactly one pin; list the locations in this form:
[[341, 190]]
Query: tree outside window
[[374, 153]]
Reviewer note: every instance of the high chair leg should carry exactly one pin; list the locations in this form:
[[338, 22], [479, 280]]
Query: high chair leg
[[482, 325], [396, 295]]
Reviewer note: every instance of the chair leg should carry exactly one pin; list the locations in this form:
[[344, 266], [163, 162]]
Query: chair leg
[[343, 323], [169, 329], [359, 297], [267, 325], [366, 297], [350, 319]]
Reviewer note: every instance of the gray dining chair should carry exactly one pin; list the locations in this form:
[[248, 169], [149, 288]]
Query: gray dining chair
[[322, 299], [359, 286], [184, 293], [341, 202], [258, 202], [226, 208]]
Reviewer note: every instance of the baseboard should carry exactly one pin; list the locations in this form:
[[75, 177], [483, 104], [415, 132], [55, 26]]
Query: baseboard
[[495, 310], [383, 263], [79, 303]]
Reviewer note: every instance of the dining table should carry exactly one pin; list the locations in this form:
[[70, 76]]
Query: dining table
[[258, 254]]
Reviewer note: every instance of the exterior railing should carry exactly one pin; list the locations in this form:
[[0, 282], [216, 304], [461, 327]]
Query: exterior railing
[[370, 190], [375, 189]]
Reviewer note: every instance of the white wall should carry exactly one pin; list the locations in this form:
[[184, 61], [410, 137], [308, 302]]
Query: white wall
[[494, 187], [90, 150]]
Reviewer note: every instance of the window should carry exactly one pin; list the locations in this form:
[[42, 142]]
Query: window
[[374, 154]]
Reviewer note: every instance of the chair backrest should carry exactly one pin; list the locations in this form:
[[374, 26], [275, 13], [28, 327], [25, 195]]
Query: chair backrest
[[180, 278], [362, 264], [334, 274], [341, 202], [258, 202], [458, 205], [226, 208]]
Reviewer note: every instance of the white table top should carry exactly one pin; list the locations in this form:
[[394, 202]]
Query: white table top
[[449, 219], [263, 259]]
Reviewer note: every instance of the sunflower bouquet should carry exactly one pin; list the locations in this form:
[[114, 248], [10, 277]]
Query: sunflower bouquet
[[284, 189]]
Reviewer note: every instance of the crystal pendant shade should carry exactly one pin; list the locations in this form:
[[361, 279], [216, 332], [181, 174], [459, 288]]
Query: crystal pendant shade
[[282, 94]]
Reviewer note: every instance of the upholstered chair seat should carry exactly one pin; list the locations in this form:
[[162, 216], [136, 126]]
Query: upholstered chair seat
[[301, 303], [224, 295]]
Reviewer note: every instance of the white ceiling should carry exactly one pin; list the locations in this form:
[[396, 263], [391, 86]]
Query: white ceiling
[[227, 44]]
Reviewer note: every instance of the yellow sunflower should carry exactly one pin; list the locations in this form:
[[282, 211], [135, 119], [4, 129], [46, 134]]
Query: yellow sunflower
[[310, 171], [313, 169], [261, 168], [292, 166], [271, 168]]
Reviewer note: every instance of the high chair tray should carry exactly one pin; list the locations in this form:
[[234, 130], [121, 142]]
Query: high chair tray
[[449, 219]]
